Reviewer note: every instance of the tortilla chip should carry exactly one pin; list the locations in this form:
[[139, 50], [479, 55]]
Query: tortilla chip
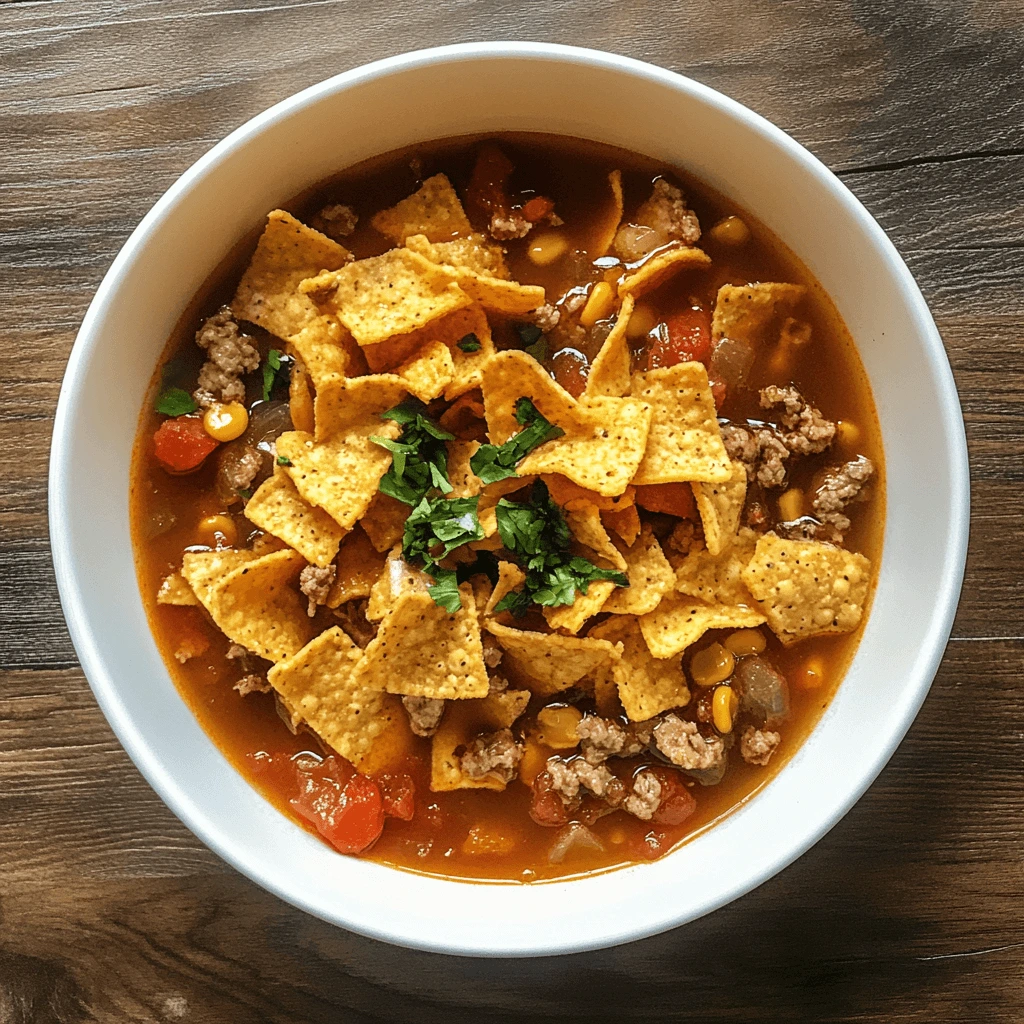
[[610, 218], [278, 508], [433, 210], [348, 403], [586, 527], [720, 507], [318, 687], [463, 721], [646, 685], [429, 372], [255, 604], [510, 577], [396, 578], [288, 252], [421, 650], [300, 395], [656, 270], [747, 312], [676, 623], [571, 617], [808, 588], [650, 578], [474, 253], [609, 373], [625, 522], [357, 568], [384, 296], [550, 662], [384, 521], [718, 579], [465, 483], [340, 475], [684, 442], [174, 590], [205, 571], [467, 371], [319, 346]]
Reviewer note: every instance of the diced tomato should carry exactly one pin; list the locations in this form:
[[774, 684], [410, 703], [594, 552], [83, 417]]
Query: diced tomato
[[677, 802], [546, 806], [570, 368], [350, 815], [675, 499], [486, 193], [719, 390], [687, 338], [538, 208], [181, 444], [398, 794]]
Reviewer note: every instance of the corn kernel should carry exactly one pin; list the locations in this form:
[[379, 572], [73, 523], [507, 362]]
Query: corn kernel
[[731, 231], [558, 727], [547, 247], [642, 322], [724, 707], [600, 303], [217, 532], [792, 505], [226, 422], [744, 642], [848, 431], [811, 674], [713, 664]]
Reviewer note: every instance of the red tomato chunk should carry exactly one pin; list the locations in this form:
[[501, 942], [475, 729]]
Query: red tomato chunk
[[181, 444], [350, 815], [398, 794], [675, 499], [687, 339]]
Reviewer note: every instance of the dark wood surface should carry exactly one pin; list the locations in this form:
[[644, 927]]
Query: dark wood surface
[[910, 910]]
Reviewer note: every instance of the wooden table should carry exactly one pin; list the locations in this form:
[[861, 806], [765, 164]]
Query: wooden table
[[910, 910]]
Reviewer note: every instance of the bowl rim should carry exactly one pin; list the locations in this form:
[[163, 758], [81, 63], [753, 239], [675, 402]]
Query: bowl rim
[[61, 501]]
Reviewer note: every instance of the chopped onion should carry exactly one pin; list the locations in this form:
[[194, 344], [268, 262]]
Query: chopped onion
[[573, 836], [763, 691], [731, 361]]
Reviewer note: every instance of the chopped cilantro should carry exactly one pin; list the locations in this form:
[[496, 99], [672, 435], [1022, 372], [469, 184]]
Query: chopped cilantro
[[493, 462], [470, 343], [533, 340], [244, 492], [445, 589], [275, 371], [282, 461], [419, 460], [537, 535], [176, 402], [437, 526]]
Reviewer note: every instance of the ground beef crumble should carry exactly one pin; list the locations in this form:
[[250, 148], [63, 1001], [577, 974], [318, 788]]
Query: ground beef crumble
[[336, 220], [601, 738], [546, 317], [239, 473], [645, 798], [663, 218], [569, 777], [253, 683], [841, 486], [807, 432], [495, 753], [511, 225], [492, 651], [229, 355], [315, 582], [352, 618], [760, 450], [681, 742], [758, 745], [424, 714]]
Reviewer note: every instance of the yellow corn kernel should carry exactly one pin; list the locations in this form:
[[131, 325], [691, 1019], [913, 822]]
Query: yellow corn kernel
[[535, 756], [713, 664], [848, 431], [791, 504], [225, 422], [725, 705], [558, 727], [217, 532], [744, 642], [600, 303], [642, 322], [547, 247], [811, 674], [731, 231]]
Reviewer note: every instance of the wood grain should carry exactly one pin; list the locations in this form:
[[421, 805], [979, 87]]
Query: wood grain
[[909, 910]]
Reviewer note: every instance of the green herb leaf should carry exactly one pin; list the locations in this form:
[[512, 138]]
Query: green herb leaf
[[437, 526], [282, 461], [176, 402], [271, 368], [470, 343], [419, 462], [445, 589], [493, 462], [244, 492]]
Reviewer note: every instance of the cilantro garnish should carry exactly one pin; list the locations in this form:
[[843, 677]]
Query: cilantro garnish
[[537, 535], [244, 492], [470, 343], [176, 402], [275, 371], [445, 589], [419, 460], [493, 462], [282, 461], [437, 526], [533, 340]]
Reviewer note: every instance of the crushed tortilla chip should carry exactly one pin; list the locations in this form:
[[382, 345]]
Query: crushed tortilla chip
[[549, 662], [650, 578], [465, 483], [510, 577], [472, 253], [383, 296], [718, 579], [624, 522], [384, 521], [609, 373], [347, 403], [467, 367], [463, 721], [318, 687], [288, 252], [657, 269], [684, 442], [340, 475], [586, 527], [808, 588], [571, 617], [433, 210], [396, 578], [720, 506], [421, 650], [174, 590], [357, 567], [746, 312], [429, 372], [319, 346], [207, 570], [255, 604], [609, 220], [279, 509], [300, 395], [676, 623], [646, 685]]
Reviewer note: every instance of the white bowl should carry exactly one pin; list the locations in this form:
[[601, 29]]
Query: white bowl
[[482, 88]]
